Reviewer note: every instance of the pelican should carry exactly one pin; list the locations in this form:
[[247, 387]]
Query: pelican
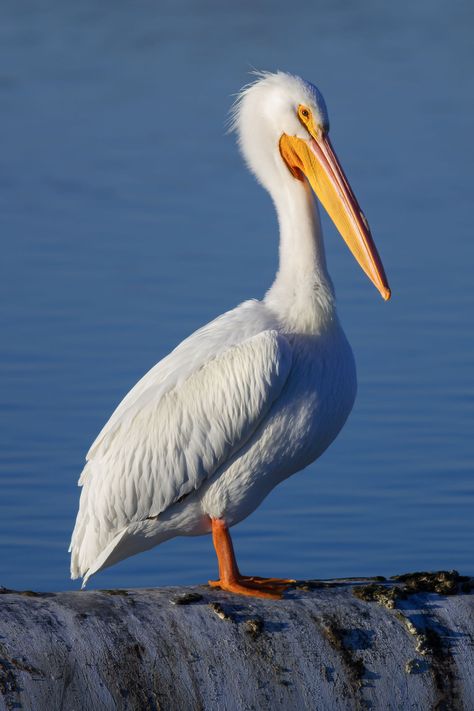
[[255, 395]]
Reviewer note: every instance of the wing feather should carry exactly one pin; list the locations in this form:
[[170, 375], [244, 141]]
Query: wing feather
[[232, 327], [174, 435]]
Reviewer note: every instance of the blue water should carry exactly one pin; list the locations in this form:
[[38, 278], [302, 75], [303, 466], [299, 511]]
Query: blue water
[[128, 220]]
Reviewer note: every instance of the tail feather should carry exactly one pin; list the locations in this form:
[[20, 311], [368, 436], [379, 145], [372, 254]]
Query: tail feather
[[105, 558]]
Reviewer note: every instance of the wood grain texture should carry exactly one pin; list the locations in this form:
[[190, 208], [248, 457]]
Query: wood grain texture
[[322, 647]]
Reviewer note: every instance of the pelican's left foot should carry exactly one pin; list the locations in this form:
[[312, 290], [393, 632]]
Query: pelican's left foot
[[230, 578], [283, 582], [253, 587]]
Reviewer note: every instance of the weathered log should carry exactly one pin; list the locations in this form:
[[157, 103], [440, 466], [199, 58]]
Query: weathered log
[[404, 644]]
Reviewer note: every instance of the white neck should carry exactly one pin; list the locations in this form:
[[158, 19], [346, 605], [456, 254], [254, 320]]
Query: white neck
[[302, 293]]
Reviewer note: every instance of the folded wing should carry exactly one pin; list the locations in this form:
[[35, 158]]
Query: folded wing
[[170, 440]]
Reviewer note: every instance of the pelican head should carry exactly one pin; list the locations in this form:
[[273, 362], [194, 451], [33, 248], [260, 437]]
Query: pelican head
[[283, 129]]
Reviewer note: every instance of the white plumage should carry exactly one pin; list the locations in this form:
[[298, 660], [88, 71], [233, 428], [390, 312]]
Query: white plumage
[[245, 401]]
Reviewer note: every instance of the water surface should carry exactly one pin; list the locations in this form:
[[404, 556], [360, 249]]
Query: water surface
[[128, 220]]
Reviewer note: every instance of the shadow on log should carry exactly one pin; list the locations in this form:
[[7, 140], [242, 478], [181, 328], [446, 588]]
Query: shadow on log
[[350, 644]]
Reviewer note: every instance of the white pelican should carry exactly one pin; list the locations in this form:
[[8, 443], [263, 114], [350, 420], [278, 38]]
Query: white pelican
[[255, 395]]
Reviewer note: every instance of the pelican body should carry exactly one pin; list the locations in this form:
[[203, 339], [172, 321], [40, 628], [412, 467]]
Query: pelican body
[[252, 397]]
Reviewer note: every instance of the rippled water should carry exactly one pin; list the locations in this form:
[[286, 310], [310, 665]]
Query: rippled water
[[128, 220]]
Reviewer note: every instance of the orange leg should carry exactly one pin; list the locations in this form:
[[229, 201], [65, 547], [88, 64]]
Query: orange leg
[[230, 578]]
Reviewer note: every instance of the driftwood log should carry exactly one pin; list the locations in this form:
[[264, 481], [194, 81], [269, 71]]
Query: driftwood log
[[367, 644]]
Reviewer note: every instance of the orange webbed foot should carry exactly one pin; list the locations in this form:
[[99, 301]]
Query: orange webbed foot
[[284, 582], [253, 586], [230, 578]]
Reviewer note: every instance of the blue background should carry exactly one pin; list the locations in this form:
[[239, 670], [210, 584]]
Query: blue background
[[128, 220]]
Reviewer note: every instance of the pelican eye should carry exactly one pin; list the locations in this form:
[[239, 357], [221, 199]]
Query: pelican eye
[[304, 114]]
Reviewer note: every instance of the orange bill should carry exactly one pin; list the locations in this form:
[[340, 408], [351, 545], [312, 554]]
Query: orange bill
[[317, 160]]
